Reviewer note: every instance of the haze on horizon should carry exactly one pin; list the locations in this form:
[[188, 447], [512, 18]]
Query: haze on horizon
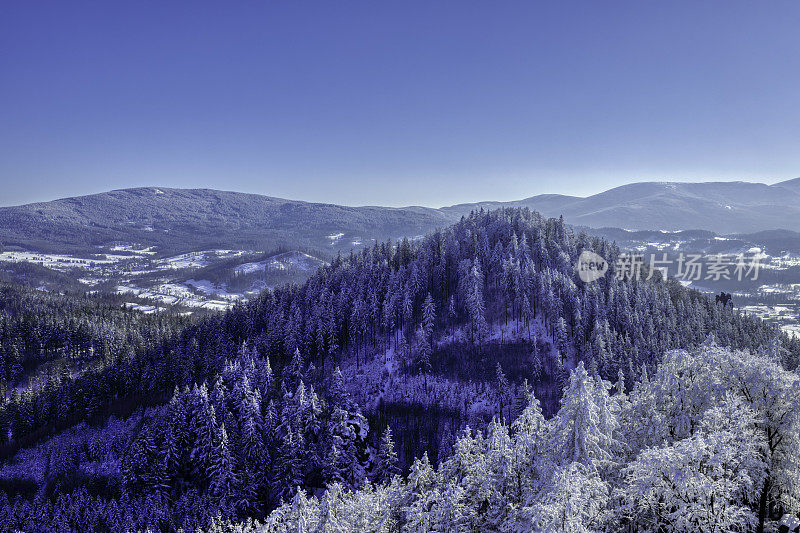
[[395, 104]]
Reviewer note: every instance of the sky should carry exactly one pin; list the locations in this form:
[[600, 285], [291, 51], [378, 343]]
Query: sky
[[395, 103]]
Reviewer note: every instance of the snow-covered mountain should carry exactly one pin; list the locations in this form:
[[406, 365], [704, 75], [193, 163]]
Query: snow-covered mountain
[[177, 220], [722, 207]]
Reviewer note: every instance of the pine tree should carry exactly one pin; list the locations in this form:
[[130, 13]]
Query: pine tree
[[579, 437], [503, 390], [452, 313], [560, 336], [338, 393], [206, 429], [223, 475], [475, 304], [428, 315], [293, 373], [331, 469], [386, 466], [423, 352], [289, 474]]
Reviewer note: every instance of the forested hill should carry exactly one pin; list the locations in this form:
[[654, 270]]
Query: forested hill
[[244, 408], [186, 220]]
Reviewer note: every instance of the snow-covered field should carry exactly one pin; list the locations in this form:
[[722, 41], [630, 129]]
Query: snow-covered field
[[131, 268], [334, 237], [58, 262], [285, 261], [112, 259], [660, 246], [792, 329], [181, 294], [782, 262], [143, 308], [133, 249], [172, 290], [207, 287], [792, 289], [198, 259]]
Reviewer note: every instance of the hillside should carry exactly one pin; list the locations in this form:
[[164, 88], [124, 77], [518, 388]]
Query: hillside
[[722, 207], [381, 358], [182, 220], [793, 185]]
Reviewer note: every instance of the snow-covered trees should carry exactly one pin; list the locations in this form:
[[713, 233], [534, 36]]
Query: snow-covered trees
[[584, 425], [386, 466], [422, 351], [771, 392], [603, 462], [223, 474], [503, 391], [556, 475], [706, 482], [443, 305], [250, 443], [717, 405], [428, 314], [576, 502], [476, 309]]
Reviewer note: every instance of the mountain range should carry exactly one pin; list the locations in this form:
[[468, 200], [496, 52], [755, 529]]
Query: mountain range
[[722, 207], [175, 220]]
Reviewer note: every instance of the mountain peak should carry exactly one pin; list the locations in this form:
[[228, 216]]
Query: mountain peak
[[793, 184]]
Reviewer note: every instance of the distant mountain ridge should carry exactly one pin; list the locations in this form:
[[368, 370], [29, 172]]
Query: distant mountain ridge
[[191, 219], [722, 207]]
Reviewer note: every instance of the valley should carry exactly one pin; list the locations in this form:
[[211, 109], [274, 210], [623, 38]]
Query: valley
[[183, 263], [206, 280]]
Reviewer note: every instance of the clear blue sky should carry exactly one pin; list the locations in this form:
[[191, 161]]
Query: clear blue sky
[[394, 103]]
